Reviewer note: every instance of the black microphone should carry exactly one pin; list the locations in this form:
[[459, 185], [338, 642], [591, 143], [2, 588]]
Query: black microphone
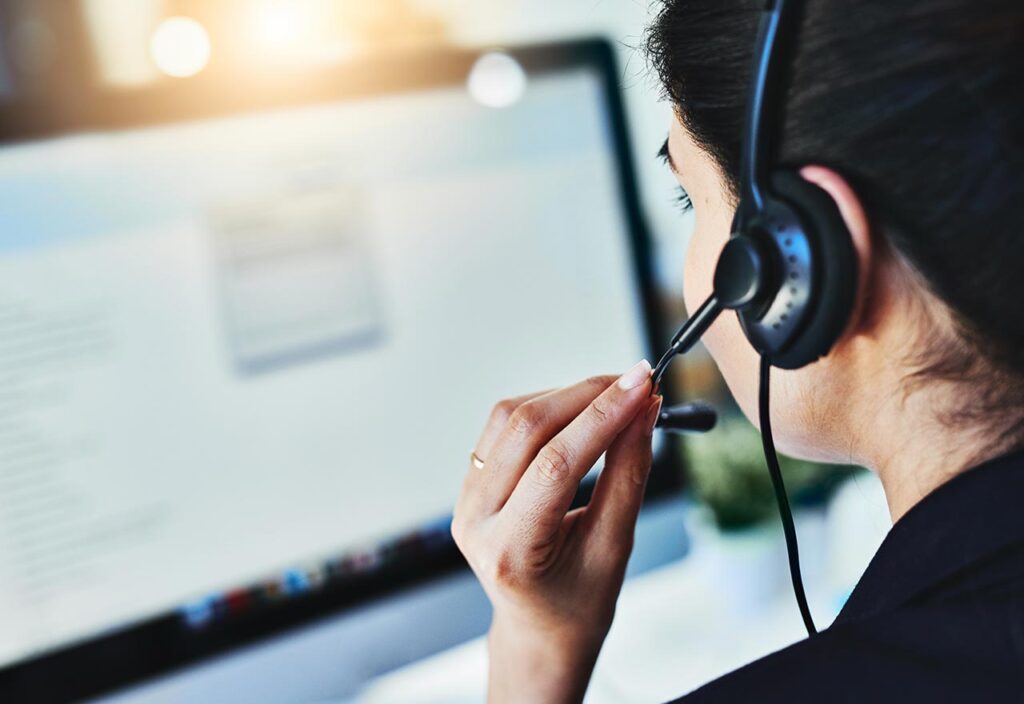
[[688, 335], [697, 417]]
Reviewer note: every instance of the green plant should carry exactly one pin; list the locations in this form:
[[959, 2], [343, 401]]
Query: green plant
[[727, 472]]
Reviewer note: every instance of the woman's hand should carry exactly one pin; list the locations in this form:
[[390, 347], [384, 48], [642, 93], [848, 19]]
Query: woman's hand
[[553, 575]]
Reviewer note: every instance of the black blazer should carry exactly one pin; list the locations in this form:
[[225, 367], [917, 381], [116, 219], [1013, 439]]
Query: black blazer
[[938, 616]]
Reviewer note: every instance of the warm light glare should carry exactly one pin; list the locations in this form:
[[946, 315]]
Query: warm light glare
[[180, 47], [280, 23], [497, 80]]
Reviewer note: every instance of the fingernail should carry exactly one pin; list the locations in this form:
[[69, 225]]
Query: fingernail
[[640, 373], [652, 416]]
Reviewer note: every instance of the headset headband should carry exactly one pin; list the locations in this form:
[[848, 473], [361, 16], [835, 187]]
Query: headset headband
[[765, 103]]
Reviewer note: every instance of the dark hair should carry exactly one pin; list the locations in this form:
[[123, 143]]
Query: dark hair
[[920, 106]]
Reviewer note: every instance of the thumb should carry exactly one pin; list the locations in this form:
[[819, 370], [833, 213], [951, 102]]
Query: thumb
[[619, 493]]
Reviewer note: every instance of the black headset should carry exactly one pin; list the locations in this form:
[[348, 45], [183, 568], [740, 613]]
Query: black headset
[[789, 269]]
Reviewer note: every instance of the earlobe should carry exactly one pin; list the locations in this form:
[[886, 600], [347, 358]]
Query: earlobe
[[856, 219]]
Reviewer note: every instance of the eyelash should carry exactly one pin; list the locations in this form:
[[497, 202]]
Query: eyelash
[[682, 199]]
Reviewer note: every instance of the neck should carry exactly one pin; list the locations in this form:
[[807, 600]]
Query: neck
[[915, 469], [903, 439], [902, 430]]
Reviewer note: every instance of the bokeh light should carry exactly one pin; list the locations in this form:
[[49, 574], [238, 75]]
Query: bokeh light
[[497, 80], [180, 47]]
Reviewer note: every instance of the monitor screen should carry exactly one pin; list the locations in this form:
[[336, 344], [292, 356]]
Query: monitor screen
[[241, 354]]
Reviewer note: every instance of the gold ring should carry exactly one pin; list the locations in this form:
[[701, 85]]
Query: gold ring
[[475, 459]]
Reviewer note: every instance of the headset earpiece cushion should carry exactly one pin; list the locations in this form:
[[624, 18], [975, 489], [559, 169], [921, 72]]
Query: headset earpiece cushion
[[835, 266]]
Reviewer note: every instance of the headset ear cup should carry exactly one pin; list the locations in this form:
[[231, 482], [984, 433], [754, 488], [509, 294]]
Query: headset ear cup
[[835, 266]]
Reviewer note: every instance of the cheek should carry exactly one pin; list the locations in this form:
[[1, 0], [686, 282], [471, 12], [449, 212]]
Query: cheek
[[701, 257], [699, 267], [725, 341]]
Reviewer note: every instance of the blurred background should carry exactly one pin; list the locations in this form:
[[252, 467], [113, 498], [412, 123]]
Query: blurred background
[[265, 265]]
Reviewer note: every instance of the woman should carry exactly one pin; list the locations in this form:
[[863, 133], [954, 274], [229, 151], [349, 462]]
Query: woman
[[910, 115]]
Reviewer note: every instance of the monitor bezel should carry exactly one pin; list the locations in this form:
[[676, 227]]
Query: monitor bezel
[[161, 645]]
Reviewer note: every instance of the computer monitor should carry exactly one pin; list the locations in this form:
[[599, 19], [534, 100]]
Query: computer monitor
[[249, 334]]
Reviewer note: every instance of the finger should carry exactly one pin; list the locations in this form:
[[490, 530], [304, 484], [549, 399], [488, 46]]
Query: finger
[[465, 513], [498, 419], [529, 427], [543, 495], [615, 504]]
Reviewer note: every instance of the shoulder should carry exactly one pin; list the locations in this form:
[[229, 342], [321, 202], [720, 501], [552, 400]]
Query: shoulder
[[948, 652]]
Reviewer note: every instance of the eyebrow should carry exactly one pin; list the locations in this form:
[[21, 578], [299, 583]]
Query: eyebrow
[[665, 155]]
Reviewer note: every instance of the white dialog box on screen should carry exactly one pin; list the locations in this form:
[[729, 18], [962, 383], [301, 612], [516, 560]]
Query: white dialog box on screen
[[296, 277]]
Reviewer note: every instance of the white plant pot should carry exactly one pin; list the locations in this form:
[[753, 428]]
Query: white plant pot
[[744, 569]]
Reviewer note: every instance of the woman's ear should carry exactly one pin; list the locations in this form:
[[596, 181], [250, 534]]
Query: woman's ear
[[856, 219]]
